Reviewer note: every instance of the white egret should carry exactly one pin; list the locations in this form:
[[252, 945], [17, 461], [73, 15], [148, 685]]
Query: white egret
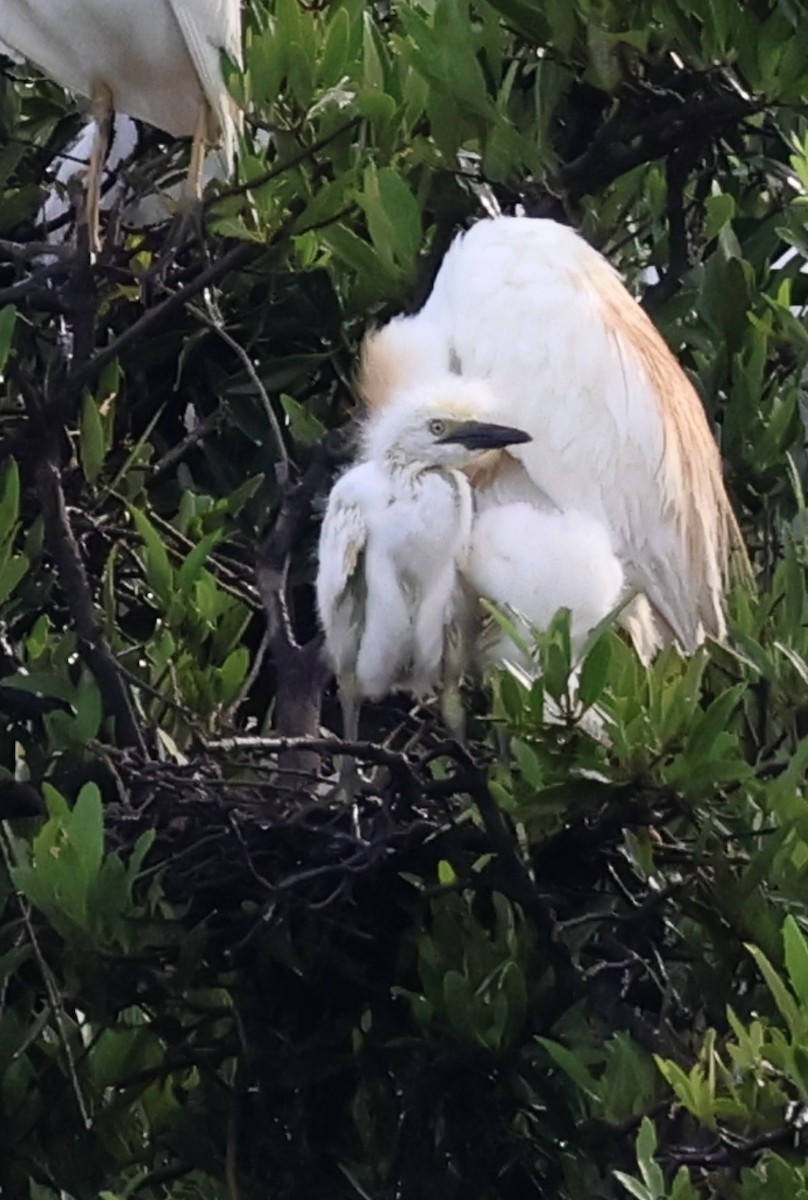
[[571, 564], [617, 429], [396, 530], [158, 61]]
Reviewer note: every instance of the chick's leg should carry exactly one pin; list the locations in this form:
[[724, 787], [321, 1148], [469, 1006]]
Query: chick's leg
[[350, 703], [454, 663]]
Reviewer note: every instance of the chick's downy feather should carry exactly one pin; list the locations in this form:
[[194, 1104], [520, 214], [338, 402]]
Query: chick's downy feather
[[534, 563], [387, 575]]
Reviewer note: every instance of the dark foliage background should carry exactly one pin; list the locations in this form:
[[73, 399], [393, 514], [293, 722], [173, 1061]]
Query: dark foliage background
[[579, 973]]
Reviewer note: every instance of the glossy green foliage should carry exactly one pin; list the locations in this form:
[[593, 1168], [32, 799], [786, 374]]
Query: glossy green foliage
[[575, 968]]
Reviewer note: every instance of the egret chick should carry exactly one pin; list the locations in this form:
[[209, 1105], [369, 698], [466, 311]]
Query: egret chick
[[396, 531], [532, 563]]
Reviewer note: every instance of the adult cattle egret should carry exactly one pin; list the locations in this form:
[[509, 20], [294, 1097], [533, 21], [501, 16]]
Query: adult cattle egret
[[617, 429], [534, 563], [155, 60], [396, 529]]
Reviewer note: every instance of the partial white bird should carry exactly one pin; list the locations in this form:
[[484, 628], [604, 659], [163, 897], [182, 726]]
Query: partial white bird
[[158, 61], [532, 563], [138, 209], [617, 429], [75, 160], [396, 530]]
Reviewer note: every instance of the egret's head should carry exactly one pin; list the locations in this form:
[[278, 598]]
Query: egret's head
[[446, 423]]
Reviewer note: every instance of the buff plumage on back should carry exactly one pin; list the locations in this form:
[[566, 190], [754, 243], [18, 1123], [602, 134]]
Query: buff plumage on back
[[618, 429], [690, 477]]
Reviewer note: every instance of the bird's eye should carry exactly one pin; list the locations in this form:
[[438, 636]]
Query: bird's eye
[[436, 428]]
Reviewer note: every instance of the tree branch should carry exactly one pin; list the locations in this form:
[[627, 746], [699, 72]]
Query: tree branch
[[302, 670], [627, 139], [92, 643]]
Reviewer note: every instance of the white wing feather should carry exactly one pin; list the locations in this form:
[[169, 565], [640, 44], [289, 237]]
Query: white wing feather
[[210, 26], [343, 538], [618, 431], [158, 58]]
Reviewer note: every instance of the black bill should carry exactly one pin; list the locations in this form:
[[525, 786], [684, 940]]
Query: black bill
[[484, 435]]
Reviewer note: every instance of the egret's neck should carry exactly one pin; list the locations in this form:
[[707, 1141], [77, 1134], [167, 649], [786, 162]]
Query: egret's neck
[[399, 463]]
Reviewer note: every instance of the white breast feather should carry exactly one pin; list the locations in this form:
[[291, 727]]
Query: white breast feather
[[388, 574], [535, 563]]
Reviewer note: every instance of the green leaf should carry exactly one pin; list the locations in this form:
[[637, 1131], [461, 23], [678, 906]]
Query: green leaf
[[796, 955], [9, 500], [393, 217], [529, 763], [306, 428], [336, 48], [514, 989], [12, 574], [232, 674], [555, 670], [266, 64], [446, 873], [594, 673], [720, 210], [159, 574], [55, 802], [782, 997], [709, 724], [89, 712], [646, 1149], [85, 828], [92, 443], [8, 318], [352, 251], [194, 563], [633, 1186], [512, 695], [572, 1064], [38, 1191], [243, 493], [457, 1002], [562, 18], [682, 1188]]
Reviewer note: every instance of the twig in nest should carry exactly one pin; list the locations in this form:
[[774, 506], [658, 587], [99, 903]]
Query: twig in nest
[[398, 765]]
